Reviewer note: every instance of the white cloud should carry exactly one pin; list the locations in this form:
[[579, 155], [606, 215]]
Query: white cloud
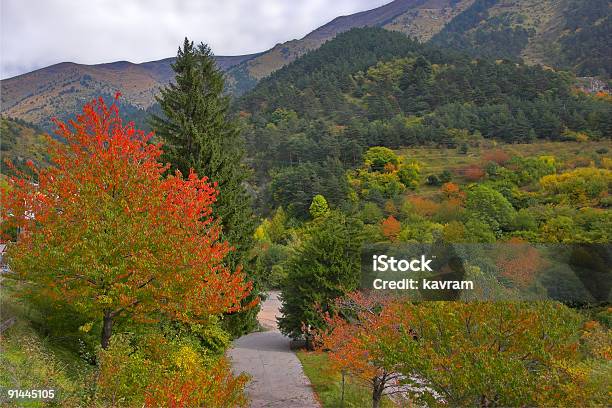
[[38, 33]]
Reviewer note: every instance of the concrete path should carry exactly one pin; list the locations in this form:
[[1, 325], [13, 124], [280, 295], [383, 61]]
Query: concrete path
[[277, 378]]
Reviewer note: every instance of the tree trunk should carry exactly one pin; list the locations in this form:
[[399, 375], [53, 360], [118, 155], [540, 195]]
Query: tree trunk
[[107, 328], [377, 390], [375, 399]]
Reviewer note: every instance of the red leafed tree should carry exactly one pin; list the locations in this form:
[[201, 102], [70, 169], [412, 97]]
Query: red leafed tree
[[351, 343], [105, 230], [391, 228]]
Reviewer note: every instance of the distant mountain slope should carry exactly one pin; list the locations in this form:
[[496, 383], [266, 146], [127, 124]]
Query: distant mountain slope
[[20, 142], [569, 34], [63, 88], [417, 18]]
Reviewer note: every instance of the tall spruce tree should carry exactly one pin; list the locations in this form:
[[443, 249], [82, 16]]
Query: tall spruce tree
[[200, 134]]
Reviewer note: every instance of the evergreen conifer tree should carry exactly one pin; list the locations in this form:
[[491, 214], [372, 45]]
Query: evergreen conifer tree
[[199, 133]]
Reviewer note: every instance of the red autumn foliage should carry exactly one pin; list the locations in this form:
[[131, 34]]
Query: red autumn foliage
[[105, 230], [391, 228], [452, 191], [520, 262], [473, 172], [423, 206], [214, 388], [349, 343]]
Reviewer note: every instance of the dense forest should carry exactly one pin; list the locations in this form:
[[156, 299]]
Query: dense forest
[[370, 87]]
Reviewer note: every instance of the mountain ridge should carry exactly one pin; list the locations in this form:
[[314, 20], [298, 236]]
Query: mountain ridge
[[51, 91], [542, 32]]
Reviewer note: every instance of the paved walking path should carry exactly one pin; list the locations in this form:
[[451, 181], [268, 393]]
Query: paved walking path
[[277, 378]]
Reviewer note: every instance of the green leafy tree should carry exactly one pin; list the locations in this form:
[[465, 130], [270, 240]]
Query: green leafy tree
[[199, 134], [326, 266], [491, 207], [410, 175], [487, 353], [319, 206], [377, 157], [370, 213]]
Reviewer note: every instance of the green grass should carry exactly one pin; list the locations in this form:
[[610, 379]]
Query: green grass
[[433, 159], [29, 361], [327, 384]]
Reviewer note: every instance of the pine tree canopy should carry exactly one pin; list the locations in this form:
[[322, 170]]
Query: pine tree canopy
[[200, 134]]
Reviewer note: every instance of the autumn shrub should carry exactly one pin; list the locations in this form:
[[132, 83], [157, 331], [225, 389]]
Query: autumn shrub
[[469, 354], [582, 186], [423, 206], [347, 337], [155, 371], [473, 172], [451, 190], [391, 228], [520, 262], [213, 387]]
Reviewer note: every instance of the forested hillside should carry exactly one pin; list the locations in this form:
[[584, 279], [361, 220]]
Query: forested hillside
[[20, 142], [571, 34], [372, 87]]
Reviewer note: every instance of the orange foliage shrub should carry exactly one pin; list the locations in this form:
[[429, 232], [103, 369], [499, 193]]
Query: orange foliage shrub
[[451, 191], [391, 228], [390, 168], [520, 262], [349, 344], [214, 388], [423, 206], [473, 172]]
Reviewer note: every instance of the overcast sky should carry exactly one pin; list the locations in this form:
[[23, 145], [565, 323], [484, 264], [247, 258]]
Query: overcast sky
[[38, 33]]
